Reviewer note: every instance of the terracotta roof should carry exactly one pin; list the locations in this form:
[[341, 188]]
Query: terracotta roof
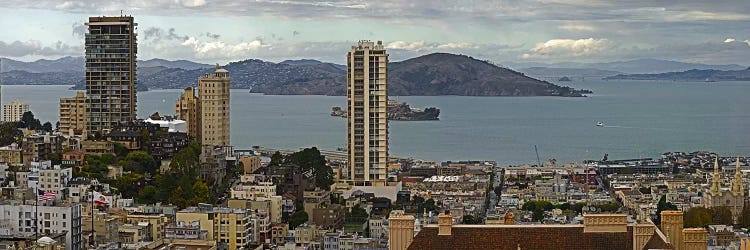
[[523, 236]]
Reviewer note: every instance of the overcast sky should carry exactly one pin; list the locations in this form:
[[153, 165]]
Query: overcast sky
[[221, 31]]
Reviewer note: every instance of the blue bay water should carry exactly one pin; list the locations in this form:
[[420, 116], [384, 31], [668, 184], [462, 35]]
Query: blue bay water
[[643, 119]]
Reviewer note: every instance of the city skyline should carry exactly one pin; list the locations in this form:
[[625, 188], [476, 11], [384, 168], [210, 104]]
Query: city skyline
[[501, 31]]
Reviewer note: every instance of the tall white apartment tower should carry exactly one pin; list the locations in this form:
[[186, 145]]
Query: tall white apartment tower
[[367, 120]]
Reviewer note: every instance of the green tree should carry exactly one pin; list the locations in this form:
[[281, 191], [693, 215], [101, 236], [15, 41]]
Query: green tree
[[537, 215], [311, 159], [55, 158], [358, 214], [148, 195], [179, 198], [29, 122], [297, 218], [663, 205], [276, 159], [429, 205], [469, 219], [9, 133], [697, 217], [47, 126], [121, 150], [128, 185], [200, 192], [722, 215], [142, 162]]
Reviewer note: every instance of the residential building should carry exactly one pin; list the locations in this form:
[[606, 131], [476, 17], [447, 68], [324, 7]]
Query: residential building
[[97, 147], [224, 225], [18, 219], [73, 115], [11, 154], [367, 122], [186, 230], [156, 223], [38, 147], [111, 48], [317, 198], [13, 111], [187, 108], [213, 93]]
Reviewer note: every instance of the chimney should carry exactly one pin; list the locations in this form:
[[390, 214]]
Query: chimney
[[508, 218], [401, 230], [642, 233], [444, 223], [694, 239], [671, 225]]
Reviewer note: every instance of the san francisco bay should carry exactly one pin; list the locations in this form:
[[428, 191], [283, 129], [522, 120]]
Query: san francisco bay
[[641, 119]]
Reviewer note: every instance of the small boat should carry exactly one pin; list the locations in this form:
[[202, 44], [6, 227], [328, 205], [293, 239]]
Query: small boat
[[600, 124]]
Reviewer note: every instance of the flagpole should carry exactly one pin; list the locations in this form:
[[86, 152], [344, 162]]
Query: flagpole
[[93, 229], [36, 213]]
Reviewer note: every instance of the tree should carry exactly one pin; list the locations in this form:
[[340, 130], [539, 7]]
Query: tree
[[276, 159], [469, 219], [29, 122], [697, 217], [144, 163], [128, 185], [722, 215], [200, 192], [55, 158], [311, 159], [537, 215], [663, 205], [47, 126], [177, 198], [429, 205], [148, 195], [358, 214], [9, 133], [297, 218]]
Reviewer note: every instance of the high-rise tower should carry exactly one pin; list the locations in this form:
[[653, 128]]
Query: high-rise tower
[[111, 48], [213, 94], [367, 120]]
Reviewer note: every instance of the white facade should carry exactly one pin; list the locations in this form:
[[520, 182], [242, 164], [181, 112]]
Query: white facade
[[174, 125], [17, 219]]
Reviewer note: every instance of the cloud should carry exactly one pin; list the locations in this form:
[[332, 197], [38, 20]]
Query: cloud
[[36, 48], [729, 40], [556, 48], [212, 35], [192, 3], [157, 34], [416, 46], [576, 27], [219, 49], [79, 30]]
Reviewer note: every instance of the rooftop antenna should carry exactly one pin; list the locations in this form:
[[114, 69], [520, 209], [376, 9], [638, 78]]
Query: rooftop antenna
[[120, 12], [539, 162]]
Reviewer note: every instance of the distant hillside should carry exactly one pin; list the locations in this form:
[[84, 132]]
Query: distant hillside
[[639, 66], [64, 64], [434, 74], [690, 75], [179, 64], [560, 72]]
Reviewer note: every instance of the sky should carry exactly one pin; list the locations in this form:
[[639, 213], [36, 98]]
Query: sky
[[502, 31]]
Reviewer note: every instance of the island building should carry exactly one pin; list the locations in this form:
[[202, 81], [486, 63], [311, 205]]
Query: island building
[[13, 111], [733, 197], [73, 115], [367, 104], [111, 49], [207, 115]]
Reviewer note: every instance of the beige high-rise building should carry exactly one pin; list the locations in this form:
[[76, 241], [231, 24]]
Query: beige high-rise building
[[187, 109], [213, 93], [13, 111], [111, 49], [73, 114], [367, 120], [224, 225]]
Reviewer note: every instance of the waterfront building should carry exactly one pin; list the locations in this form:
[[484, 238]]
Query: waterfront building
[[13, 111], [367, 122], [73, 114], [187, 108], [111, 48], [213, 93]]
